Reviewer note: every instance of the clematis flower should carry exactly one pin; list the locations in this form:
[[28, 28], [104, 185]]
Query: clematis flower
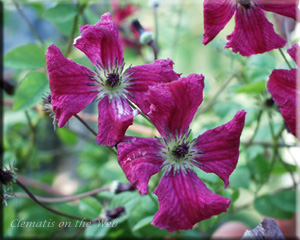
[[183, 198], [74, 86], [283, 87], [253, 32]]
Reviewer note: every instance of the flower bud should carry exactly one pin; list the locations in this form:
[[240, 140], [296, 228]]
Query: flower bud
[[117, 187], [6, 177], [145, 37], [115, 213]]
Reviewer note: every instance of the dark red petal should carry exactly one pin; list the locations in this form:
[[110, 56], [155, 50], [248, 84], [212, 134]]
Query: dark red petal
[[294, 52], [184, 200], [69, 85], [173, 105], [282, 86], [115, 117], [216, 15], [100, 42], [144, 76], [220, 147], [253, 33], [288, 8], [138, 157]]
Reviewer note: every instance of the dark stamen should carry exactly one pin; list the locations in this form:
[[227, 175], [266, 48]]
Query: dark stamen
[[245, 3], [180, 151], [112, 79]]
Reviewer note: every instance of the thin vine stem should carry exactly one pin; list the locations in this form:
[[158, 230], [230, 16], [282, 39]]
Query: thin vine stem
[[86, 125], [26, 20], [92, 131], [284, 57], [46, 207], [67, 198]]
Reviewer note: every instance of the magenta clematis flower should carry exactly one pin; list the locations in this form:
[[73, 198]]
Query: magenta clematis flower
[[253, 32], [183, 198], [74, 86], [283, 87]]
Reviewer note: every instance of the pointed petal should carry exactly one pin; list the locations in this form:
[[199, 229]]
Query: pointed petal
[[288, 8], [173, 105], [69, 85], [115, 116], [220, 147], [184, 200], [138, 157], [216, 15], [100, 42], [282, 86], [144, 76], [294, 52], [253, 33]]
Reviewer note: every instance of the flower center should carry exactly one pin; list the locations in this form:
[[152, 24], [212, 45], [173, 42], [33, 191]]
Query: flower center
[[245, 3], [180, 151], [112, 80]]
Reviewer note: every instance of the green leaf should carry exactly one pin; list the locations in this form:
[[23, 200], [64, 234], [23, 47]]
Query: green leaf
[[90, 208], [30, 91], [264, 205], [9, 216], [252, 88], [27, 57], [142, 223], [259, 167], [66, 136], [240, 178], [61, 13], [285, 200], [95, 231]]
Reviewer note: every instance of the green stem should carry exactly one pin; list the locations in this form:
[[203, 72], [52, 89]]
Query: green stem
[[153, 199], [156, 24], [284, 57], [256, 128], [72, 36], [19, 9], [142, 114]]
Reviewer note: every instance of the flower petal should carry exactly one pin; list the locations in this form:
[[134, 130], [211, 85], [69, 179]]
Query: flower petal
[[294, 52], [138, 157], [173, 105], [288, 8], [69, 85], [115, 116], [216, 15], [144, 76], [100, 42], [282, 86], [185, 200], [220, 147], [253, 33]]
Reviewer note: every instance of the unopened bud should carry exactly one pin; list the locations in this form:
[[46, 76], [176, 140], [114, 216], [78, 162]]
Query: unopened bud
[[47, 107], [6, 177], [145, 37], [115, 213], [117, 187]]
